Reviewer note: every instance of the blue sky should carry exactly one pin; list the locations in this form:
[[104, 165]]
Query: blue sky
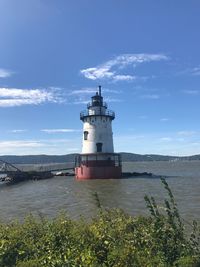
[[144, 53]]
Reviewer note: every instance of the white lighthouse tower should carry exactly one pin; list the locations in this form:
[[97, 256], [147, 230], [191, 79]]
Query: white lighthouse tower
[[97, 159]]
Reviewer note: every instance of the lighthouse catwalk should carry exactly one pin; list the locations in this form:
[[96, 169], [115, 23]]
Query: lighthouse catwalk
[[97, 160]]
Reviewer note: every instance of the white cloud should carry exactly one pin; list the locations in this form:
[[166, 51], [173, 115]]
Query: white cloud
[[124, 78], [81, 102], [52, 131], [5, 73], [84, 91], [157, 143], [112, 68], [41, 146], [143, 117], [97, 73], [151, 96], [93, 90], [111, 91], [110, 99], [164, 119], [82, 96], [18, 131], [10, 97], [186, 133], [195, 71], [166, 139], [191, 92], [195, 144], [8, 145], [107, 99]]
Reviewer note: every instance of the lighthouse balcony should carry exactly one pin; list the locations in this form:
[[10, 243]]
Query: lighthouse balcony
[[106, 113]]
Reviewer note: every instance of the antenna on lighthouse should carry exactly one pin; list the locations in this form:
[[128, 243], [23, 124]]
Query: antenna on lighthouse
[[99, 90]]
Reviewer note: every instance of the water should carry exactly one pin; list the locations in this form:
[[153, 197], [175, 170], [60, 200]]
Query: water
[[49, 197]]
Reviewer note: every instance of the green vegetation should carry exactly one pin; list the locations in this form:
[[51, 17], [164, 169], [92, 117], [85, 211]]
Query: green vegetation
[[113, 238]]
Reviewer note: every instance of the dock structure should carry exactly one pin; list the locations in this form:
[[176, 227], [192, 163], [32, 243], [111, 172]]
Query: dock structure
[[12, 174]]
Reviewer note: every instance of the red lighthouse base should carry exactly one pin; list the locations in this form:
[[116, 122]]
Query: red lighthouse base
[[98, 166]]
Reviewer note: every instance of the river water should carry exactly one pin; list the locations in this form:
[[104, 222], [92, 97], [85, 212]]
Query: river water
[[49, 197]]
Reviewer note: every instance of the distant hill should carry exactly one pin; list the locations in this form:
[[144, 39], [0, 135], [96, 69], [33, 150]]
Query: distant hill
[[39, 159], [44, 159], [138, 157], [152, 157]]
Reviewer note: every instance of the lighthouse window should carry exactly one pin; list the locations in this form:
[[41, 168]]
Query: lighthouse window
[[85, 135], [99, 147]]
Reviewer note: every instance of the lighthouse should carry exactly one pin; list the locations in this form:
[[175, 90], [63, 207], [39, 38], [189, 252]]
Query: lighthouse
[[97, 160]]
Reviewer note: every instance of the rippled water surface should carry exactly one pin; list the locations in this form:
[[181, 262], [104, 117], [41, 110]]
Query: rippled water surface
[[48, 197]]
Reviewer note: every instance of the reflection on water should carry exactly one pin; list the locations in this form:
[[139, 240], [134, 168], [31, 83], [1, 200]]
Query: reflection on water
[[48, 197]]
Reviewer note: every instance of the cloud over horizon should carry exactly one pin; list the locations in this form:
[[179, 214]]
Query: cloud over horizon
[[38, 147]]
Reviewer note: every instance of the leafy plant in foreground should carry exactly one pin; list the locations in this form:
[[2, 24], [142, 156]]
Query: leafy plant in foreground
[[169, 232]]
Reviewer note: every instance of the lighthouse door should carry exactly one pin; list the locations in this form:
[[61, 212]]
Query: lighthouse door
[[99, 147]]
